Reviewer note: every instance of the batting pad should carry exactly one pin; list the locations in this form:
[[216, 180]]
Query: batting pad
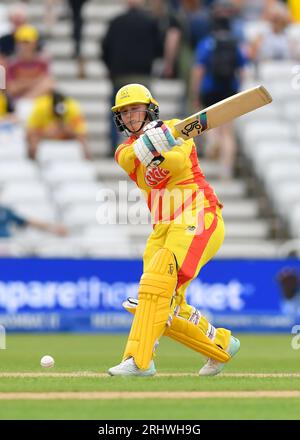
[[188, 334], [156, 290]]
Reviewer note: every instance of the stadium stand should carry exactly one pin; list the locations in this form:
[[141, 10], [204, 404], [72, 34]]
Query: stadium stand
[[64, 186]]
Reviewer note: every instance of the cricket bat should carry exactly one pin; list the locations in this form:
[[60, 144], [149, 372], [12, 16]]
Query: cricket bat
[[222, 112]]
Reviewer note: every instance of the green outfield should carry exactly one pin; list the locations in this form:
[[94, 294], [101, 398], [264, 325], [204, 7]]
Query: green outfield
[[262, 382]]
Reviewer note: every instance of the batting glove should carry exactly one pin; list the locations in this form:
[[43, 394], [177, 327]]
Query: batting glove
[[145, 151], [160, 136]]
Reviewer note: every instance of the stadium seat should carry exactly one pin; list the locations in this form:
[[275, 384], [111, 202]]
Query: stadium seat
[[256, 229], [109, 240], [10, 247], [286, 195], [39, 211], [108, 169], [272, 130], [279, 172], [11, 151], [57, 172], [243, 209], [60, 248], [291, 111], [295, 220], [248, 248], [270, 71], [265, 153], [18, 171], [55, 151], [271, 112], [12, 142], [74, 192], [282, 90], [68, 68], [289, 248], [79, 215], [35, 192], [253, 28]]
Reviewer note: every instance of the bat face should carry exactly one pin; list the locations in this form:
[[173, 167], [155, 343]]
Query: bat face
[[197, 125], [222, 112]]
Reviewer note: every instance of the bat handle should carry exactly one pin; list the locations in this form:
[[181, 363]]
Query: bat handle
[[178, 140]]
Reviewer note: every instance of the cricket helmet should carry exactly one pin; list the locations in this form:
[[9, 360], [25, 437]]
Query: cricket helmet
[[134, 94]]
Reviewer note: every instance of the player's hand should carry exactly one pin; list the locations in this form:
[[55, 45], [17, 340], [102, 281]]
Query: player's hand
[[145, 151], [60, 230], [161, 136]]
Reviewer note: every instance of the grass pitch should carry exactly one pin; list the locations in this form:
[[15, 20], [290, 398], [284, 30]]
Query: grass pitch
[[262, 382]]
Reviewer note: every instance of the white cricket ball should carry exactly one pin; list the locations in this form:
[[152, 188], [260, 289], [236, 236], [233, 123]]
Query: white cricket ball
[[47, 361]]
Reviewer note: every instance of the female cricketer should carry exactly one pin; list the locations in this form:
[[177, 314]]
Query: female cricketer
[[188, 230]]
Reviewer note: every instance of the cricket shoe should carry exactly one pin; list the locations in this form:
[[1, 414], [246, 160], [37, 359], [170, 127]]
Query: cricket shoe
[[129, 368], [212, 367]]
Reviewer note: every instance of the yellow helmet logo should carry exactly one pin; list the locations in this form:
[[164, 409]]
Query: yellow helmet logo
[[133, 94]]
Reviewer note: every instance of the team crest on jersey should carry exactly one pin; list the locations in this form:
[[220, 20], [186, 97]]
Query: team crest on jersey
[[154, 175]]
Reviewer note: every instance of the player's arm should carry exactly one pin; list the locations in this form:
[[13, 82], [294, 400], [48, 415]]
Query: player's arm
[[174, 160], [53, 228], [125, 157], [197, 76], [159, 146]]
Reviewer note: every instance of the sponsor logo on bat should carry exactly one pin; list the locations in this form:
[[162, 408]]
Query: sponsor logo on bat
[[199, 124]]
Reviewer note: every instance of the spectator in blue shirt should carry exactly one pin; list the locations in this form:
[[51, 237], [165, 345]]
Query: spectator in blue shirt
[[216, 75], [9, 218]]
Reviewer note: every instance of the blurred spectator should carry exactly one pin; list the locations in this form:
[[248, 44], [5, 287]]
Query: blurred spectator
[[18, 17], [174, 4], [4, 21], [289, 283], [76, 7], [129, 48], [294, 6], [170, 34], [7, 110], [216, 75], [232, 10], [276, 44], [195, 21], [56, 117], [252, 10], [28, 74], [51, 13], [9, 218]]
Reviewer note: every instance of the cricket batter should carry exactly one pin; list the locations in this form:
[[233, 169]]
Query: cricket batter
[[188, 230]]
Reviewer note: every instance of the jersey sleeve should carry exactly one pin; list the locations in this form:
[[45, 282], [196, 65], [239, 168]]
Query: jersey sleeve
[[125, 157], [75, 118], [203, 52], [175, 160], [17, 219], [36, 120]]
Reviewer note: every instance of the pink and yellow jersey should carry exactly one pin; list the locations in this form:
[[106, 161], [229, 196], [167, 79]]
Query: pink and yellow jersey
[[176, 185]]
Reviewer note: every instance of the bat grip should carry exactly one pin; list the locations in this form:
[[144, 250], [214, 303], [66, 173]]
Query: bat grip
[[178, 139]]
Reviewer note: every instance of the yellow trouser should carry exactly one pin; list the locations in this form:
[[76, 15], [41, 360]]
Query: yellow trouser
[[192, 251]]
